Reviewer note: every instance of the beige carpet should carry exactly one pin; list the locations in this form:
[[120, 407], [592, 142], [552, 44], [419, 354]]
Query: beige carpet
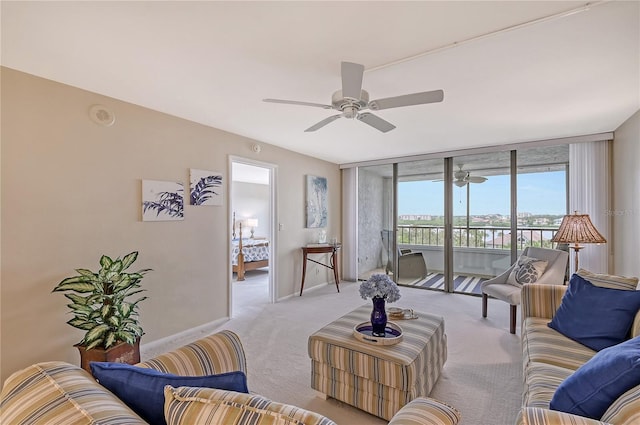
[[482, 376]]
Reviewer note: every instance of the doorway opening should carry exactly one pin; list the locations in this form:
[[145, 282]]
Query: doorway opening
[[252, 212]]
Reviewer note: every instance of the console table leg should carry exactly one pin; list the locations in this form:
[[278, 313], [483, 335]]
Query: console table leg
[[334, 263], [304, 272]]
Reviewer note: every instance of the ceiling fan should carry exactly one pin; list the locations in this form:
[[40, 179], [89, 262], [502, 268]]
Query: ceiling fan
[[352, 100], [462, 177]]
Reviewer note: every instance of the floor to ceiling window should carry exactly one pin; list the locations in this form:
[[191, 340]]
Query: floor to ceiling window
[[420, 223], [402, 222], [542, 194], [481, 218]]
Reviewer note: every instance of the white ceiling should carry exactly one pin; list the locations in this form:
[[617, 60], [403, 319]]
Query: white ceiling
[[213, 62]]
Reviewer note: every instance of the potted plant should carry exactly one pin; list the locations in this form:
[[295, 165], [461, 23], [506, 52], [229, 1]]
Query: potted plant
[[101, 307]]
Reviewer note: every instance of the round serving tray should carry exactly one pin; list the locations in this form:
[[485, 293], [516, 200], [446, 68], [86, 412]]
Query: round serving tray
[[393, 334]]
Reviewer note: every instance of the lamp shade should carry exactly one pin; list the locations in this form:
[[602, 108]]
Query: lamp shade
[[252, 222], [578, 228]]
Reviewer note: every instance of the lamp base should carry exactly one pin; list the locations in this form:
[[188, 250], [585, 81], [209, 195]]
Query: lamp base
[[577, 249]]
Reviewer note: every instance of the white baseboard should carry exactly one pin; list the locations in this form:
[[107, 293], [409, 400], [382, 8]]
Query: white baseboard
[[310, 289], [171, 342]]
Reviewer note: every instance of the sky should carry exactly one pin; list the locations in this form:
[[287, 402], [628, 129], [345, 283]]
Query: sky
[[538, 193]]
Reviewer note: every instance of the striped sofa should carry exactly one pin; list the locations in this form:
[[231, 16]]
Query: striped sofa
[[549, 357], [61, 393]]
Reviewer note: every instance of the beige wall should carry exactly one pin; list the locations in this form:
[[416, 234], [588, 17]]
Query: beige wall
[[626, 198], [71, 191]]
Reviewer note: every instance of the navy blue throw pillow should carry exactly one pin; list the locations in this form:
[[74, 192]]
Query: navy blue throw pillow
[[590, 390], [594, 316], [142, 389]]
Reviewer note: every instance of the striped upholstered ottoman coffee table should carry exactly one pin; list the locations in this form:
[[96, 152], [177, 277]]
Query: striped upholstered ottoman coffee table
[[375, 378]]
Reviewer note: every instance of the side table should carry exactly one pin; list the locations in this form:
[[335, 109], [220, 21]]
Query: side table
[[321, 249]]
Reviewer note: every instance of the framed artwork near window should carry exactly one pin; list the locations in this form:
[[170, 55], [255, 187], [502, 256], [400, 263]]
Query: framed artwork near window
[[316, 201]]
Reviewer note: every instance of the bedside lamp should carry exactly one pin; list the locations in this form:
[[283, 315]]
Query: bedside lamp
[[252, 223], [576, 229]]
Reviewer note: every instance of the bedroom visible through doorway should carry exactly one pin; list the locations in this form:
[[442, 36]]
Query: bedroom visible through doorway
[[251, 198]]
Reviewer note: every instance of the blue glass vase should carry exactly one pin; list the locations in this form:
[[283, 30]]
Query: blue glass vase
[[378, 317]]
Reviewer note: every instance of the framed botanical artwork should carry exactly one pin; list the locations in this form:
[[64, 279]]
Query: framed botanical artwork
[[206, 187], [162, 200], [316, 201]]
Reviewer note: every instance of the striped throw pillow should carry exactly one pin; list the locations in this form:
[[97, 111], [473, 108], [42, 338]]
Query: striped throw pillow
[[609, 280], [207, 406]]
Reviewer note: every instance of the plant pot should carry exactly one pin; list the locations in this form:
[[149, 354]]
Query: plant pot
[[120, 353]]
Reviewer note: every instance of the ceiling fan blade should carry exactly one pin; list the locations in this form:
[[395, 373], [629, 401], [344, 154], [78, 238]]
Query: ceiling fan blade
[[376, 122], [477, 179], [407, 100], [323, 123], [295, 102], [352, 80]]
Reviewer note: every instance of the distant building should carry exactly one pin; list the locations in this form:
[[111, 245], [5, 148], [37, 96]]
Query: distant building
[[524, 237], [415, 217]]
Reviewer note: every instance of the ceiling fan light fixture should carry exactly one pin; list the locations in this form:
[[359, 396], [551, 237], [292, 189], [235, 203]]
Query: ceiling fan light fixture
[[350, 111], [461, 175]]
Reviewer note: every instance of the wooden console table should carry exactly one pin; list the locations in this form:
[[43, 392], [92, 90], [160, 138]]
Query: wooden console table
[[321, 249]]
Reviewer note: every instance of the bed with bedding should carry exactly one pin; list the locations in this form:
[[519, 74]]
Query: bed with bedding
[[249, 254]]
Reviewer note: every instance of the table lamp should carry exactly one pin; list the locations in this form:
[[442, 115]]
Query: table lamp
[[576, 229], [252, 223]]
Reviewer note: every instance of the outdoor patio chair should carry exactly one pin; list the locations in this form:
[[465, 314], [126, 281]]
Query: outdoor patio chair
[[508, 289], [411, 264]]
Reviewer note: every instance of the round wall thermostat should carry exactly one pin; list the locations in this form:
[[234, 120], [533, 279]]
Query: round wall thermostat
[[102, 115], [256, 148]]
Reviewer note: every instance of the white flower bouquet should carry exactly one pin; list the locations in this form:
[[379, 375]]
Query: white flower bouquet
[[380, 286]]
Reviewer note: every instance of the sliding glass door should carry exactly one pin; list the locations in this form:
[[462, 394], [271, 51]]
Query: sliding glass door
[[420, 224], [481, 219], [450, 223]]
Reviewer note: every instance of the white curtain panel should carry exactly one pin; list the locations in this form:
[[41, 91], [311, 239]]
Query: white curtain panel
[[350, 224], [590, 193]]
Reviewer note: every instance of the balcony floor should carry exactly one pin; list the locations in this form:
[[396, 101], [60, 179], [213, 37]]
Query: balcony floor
[[464, 284]]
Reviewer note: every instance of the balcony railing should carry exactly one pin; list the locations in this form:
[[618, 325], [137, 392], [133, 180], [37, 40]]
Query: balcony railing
[[476, 237]]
